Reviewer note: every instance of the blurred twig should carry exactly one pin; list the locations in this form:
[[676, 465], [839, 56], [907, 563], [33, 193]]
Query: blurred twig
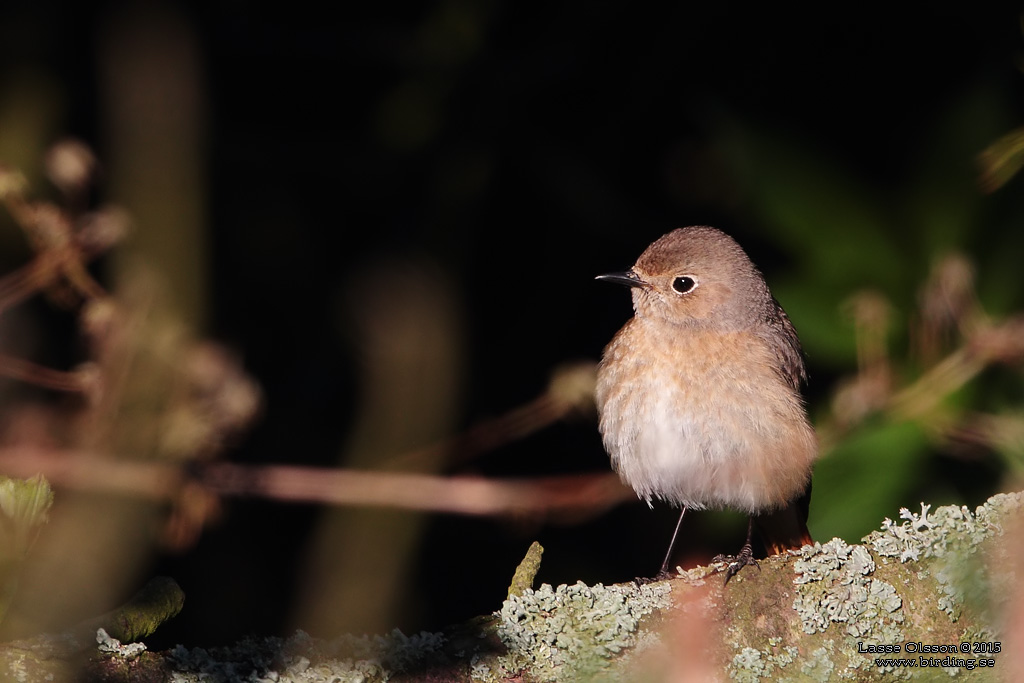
[[570, 390], [1001, 160], [457, 494], [953, 340], [64, 241], [147, 447], [26, 371]]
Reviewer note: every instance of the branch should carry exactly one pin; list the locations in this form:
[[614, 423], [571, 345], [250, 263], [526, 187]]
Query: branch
[[62, 656], [463, 495], [936, 580]]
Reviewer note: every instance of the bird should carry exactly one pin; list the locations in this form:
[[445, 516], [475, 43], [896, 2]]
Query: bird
[[699, 394]]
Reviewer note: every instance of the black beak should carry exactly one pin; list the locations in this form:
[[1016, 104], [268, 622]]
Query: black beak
[[628, 278]]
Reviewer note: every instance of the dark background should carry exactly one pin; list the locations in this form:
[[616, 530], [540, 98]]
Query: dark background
[[519, 149]]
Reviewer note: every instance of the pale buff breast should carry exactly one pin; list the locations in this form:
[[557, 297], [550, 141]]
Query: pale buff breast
[[702, 421]]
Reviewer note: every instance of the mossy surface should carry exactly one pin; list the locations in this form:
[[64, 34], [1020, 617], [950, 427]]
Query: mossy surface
[[575, 632], [933, 580], [917, 585]]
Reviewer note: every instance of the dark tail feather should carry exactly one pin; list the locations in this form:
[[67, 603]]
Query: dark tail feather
[[786, 528]]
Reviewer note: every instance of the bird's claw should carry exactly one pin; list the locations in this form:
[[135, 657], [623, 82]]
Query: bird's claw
[[734, 563]]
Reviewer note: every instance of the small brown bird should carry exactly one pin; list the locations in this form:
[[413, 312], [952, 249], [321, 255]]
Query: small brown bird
[[699, 393]]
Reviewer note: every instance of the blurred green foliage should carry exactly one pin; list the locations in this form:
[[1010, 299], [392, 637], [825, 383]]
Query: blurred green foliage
[[866, 477], [24, 508]]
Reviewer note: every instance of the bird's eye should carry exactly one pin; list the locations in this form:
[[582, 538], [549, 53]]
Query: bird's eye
[[684, 284]]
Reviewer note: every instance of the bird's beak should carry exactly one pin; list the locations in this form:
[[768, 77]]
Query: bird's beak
[[628, 278]]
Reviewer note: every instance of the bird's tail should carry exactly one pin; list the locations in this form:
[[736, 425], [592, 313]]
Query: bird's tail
[[785, 528]]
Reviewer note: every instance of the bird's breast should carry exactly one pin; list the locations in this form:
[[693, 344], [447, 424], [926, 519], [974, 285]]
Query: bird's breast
[[702, 418]]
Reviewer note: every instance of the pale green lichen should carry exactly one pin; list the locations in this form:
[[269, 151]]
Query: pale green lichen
[[555, 633], [785, 655], [843, 596], [110, 645], [835, 586], [819, 666], [821, 561], [574, 630], [302, 659], [697, 574], [479, 671], [838, 586], [948, 530], [750, 665], [951, 536]]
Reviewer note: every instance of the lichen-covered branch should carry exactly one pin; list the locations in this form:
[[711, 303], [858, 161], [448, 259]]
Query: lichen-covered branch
[[78, 653], [933, 593]]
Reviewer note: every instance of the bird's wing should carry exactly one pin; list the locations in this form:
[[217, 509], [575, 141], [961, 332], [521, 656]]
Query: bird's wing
[[781, 337]]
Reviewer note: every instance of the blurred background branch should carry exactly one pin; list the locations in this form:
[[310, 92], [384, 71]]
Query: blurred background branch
[[148, 448], [542, 497]]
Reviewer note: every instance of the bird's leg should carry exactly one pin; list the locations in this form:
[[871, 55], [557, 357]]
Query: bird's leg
[[741, 559], [664, 573]]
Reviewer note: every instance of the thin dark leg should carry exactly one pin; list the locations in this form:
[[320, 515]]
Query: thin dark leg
[[671, 546], [747, 549], [740, 560]]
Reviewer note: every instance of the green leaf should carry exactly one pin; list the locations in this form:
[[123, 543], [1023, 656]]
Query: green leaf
[[871, 470]]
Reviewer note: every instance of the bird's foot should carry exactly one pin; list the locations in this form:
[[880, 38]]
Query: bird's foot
[[734, 563]]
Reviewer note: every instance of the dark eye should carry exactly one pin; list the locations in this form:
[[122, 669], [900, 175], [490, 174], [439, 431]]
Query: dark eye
[[684, 284]]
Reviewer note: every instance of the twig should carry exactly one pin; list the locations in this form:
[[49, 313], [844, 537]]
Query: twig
[[461, 495], [27, 371]]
